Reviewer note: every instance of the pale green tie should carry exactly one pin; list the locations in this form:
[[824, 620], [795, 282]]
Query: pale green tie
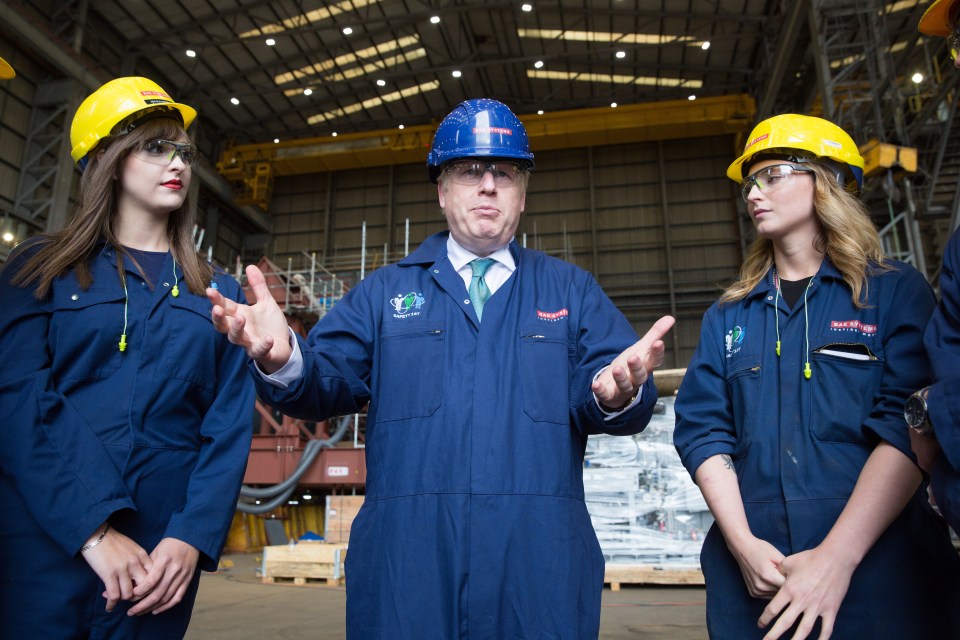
[[479, 291]]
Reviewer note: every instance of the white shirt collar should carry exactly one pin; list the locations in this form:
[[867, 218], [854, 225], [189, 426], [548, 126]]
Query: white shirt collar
[[460, 257]]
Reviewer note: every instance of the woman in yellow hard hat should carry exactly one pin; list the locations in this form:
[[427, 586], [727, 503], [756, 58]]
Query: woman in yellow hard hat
[[790, 415], [126, 415]]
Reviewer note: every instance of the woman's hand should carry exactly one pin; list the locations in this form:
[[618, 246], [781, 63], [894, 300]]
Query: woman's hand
[[760, 565], [120, 562], [815, 584], [174, 563]]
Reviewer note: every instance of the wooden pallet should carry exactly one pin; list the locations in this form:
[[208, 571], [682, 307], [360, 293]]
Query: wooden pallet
[[615, 575], [329, 582], [304, 563]]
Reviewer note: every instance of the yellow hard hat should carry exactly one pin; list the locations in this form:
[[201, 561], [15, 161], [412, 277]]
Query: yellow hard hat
[[6, 71], [118, 104], [803, 139], [936, 19]]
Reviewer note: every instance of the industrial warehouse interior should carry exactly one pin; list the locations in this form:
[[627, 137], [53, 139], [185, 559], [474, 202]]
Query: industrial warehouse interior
[[313, 128]]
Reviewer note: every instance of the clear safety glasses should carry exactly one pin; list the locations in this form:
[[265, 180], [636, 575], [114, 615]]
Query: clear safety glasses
[[770, 178], [953, 41], [163, 152], [470, 172]]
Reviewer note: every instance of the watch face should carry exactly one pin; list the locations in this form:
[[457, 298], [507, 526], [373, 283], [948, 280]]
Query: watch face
[[915, 411]]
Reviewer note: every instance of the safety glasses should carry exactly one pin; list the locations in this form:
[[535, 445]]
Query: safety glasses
[[470, 172], [953, 42], [163, 152], [770, 178]]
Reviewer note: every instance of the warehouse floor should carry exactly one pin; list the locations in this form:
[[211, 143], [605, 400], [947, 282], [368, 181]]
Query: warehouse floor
[[234, 605]]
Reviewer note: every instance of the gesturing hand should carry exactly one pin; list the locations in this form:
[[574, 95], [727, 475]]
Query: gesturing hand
[[260, 328], [620, 381], [174, 563]]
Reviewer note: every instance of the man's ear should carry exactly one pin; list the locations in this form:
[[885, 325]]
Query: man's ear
[[440, 194]]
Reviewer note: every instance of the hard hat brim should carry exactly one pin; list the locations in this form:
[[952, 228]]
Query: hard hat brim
[[936, 19], [6, 71]]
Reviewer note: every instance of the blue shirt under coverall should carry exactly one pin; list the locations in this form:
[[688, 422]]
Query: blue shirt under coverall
[[943, 346], [155, 439], [474, 524], [798, 445]]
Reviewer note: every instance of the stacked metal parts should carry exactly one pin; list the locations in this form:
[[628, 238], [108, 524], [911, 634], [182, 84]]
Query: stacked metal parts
[[644, 506]]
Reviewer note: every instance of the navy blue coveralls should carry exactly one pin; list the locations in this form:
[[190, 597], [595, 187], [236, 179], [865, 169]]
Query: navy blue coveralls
[[154, 439], [798, 445], [474, 524], [942, 340]]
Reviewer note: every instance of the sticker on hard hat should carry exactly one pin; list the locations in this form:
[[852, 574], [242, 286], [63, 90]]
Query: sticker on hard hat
[[756, 140], [506, 132], [155, 97]]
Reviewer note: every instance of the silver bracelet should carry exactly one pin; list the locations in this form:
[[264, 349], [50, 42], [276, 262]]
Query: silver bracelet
[[99, 539]]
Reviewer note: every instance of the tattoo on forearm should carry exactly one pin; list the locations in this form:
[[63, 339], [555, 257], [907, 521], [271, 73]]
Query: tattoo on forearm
[[727, 461]]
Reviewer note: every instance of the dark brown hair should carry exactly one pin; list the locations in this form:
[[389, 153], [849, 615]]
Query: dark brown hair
[[95, 219]]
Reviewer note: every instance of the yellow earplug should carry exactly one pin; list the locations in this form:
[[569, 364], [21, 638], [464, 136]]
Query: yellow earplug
[[778, 347], [123, 342], [175, 292], [807, 372]]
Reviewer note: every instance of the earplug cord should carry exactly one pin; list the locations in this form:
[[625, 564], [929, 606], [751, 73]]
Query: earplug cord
[[807, 370], [175, 292]]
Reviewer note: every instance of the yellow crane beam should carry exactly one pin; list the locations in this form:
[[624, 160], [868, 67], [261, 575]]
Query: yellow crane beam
[[253, 167]]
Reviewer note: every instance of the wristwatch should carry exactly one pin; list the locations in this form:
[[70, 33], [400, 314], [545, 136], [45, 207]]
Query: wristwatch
[[915, 412]]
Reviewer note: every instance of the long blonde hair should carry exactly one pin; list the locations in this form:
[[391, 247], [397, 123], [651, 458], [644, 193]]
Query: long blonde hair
[[96, 217], [847, 236]]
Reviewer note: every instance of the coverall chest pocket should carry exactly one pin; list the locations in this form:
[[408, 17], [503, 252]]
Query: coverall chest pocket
[[410, 374], [189, 340], [84, 332], [743, 389], [847, 385], [545, 373]]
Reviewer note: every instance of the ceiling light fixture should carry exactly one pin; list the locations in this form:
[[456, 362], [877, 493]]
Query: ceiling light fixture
[[538, 64], [271, 42], [307, 91], [434, 19], [191, 53], [539, 112], [527, 7], [691, 98], [334, 134], [917, 77], [381, 83], [276, 141], [234, 101], [621, 54], [456, 74], [401, 127], [347, 31], [613, 105], [705, 45]]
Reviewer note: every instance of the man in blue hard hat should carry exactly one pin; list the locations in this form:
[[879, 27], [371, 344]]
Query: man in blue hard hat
[[486, 366], [933, 413]]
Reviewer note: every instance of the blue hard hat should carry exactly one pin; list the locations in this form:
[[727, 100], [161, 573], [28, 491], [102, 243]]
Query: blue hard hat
[[479, 128]]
